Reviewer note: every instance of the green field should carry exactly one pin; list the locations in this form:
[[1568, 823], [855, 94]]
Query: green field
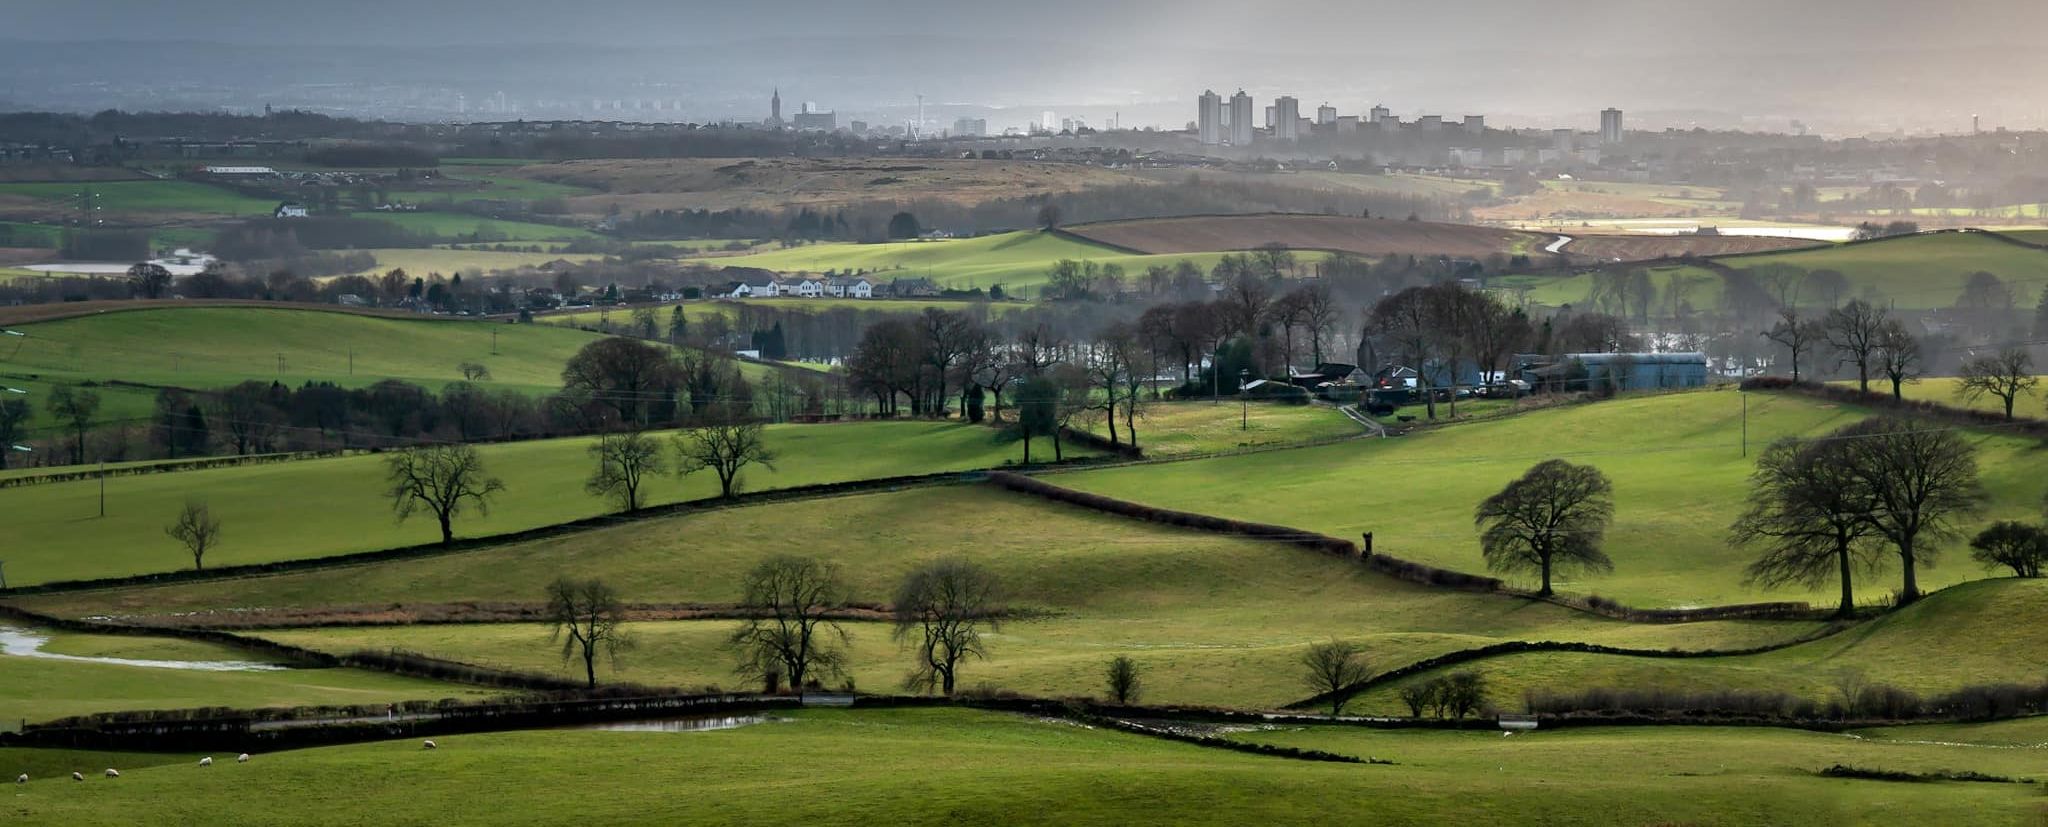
[[1017, 260], [1942, 389], [1915, 273], [38, 689], [451, 225], [147, 196], [946, 766], [1215, 620], [209, 347], [314, 508], [1169, 429], [490, 181], [1675, 459], [448, 262], [1962, 636], [696, 311]]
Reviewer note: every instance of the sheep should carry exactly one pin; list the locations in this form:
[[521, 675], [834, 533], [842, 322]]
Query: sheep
[[77, 776], [429, 745], [242, 759], [206, 762], [21, 779], [113, 773]]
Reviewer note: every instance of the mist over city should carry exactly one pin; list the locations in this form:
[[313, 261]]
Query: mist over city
[[815, 413]]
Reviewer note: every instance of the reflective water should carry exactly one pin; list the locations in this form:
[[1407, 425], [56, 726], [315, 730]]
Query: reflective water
[[699, 724], [26, 644]]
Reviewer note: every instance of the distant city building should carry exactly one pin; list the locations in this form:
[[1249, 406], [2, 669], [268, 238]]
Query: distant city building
[[775, 109], [1241, 126], [1611, 126], [1347, 123], [1326, 115], [859, 127], [1430, 123], [970, 127], [1475, 124], [1209, 118], [1563, 140], [1513, 157], [1286, 119], [1050, 122], [811, 119], [1382, 115], [1468, 157]]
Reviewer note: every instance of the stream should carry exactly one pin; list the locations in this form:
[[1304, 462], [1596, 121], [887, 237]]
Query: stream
[[22, 643]]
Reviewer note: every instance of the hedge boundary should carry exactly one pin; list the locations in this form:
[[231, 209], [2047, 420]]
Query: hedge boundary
[[1928, 409]]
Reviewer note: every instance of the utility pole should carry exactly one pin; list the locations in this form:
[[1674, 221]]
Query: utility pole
[[3, 574], [1244, 401], [1745, 423], [103, 489], [494, 341], [351, 361]]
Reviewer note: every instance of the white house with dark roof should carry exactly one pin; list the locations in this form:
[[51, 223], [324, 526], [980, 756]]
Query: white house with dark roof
[[850, 288]]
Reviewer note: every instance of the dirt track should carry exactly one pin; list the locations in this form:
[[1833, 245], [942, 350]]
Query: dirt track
[[1363, 236]]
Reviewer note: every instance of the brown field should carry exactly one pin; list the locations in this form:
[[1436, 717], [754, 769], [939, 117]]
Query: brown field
[[1363, 236], [15, 256], [1648, 247], [33, 173], [725, 183], [29, 313]]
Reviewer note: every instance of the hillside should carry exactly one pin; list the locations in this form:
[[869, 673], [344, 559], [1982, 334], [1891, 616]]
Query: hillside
[[1676, 461], [1018, 261], [635, 185], [314, 508], [1367, 237]]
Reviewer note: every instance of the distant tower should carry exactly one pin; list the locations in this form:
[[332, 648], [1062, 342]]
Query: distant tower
[[1209, 118], [775, 108], [1610, 126], [1286, 118], [1241, 125]]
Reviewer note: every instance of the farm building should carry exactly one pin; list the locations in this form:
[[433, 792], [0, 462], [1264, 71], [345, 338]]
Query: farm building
[[1620, 371]]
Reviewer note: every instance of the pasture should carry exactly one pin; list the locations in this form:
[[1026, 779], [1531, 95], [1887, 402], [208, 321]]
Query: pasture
[[181, 197], [320, 507], [1676, 460], [447, 225], [638, 185], [1214, 620], [1017, 261], [450, 261], [1169, 429], [951, 766], [1360, 236]]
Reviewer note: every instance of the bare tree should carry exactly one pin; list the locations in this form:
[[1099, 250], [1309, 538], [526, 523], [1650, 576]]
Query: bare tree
[[1898, 356], [789, 631], [1407, 321], [75, 409], [443, 479], [726, 445], [1333, 669], [622, 376], [624, 461], [2006, 376], [14, 417], [149, 279], [939, 610], [2019, 546], [1854, 332], [1556, 514], [1796, 335], [588, 617], [1808, 510], [197, 529], [1922, 480], [1124, 683]]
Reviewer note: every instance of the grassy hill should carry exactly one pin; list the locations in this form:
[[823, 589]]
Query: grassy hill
[[1915, 272], [452, 225], [1182, 428], [206, 347], [1017, 260], [1363, 236], [1214, 620], [1970, 634], [1676, 461], [941, 766], [38, 689], [180, 197], [313, 508], [446, 261]]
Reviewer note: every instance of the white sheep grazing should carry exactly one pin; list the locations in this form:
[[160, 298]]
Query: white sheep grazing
[[242, 759], [429, 745], [206, 762], [113, 773], [21, 779], [77, 777]]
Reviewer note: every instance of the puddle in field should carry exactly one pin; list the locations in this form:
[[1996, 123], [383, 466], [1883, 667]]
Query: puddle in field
[[22, 643], [700, 724]]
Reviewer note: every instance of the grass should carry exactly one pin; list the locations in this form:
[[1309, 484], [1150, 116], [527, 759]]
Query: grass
[[696, 311], [1963, 636], [1017, 260], [209, 347], [452, 225], [314, 508], [146, 196], [37, 689], [948, 766], [493, 182], [1676, 461], [1942, 390], [420, 262], [1213, 619], [1169, 429], [1915, 273]]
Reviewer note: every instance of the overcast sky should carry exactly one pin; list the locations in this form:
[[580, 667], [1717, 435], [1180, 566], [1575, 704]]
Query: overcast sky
[[1645, 26], [1842, 65]]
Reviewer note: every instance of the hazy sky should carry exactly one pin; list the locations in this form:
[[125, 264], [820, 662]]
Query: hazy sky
[[1840, 65], [1641, 26]]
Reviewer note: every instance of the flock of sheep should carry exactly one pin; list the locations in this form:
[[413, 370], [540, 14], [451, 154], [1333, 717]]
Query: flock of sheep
[[204, 762]]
